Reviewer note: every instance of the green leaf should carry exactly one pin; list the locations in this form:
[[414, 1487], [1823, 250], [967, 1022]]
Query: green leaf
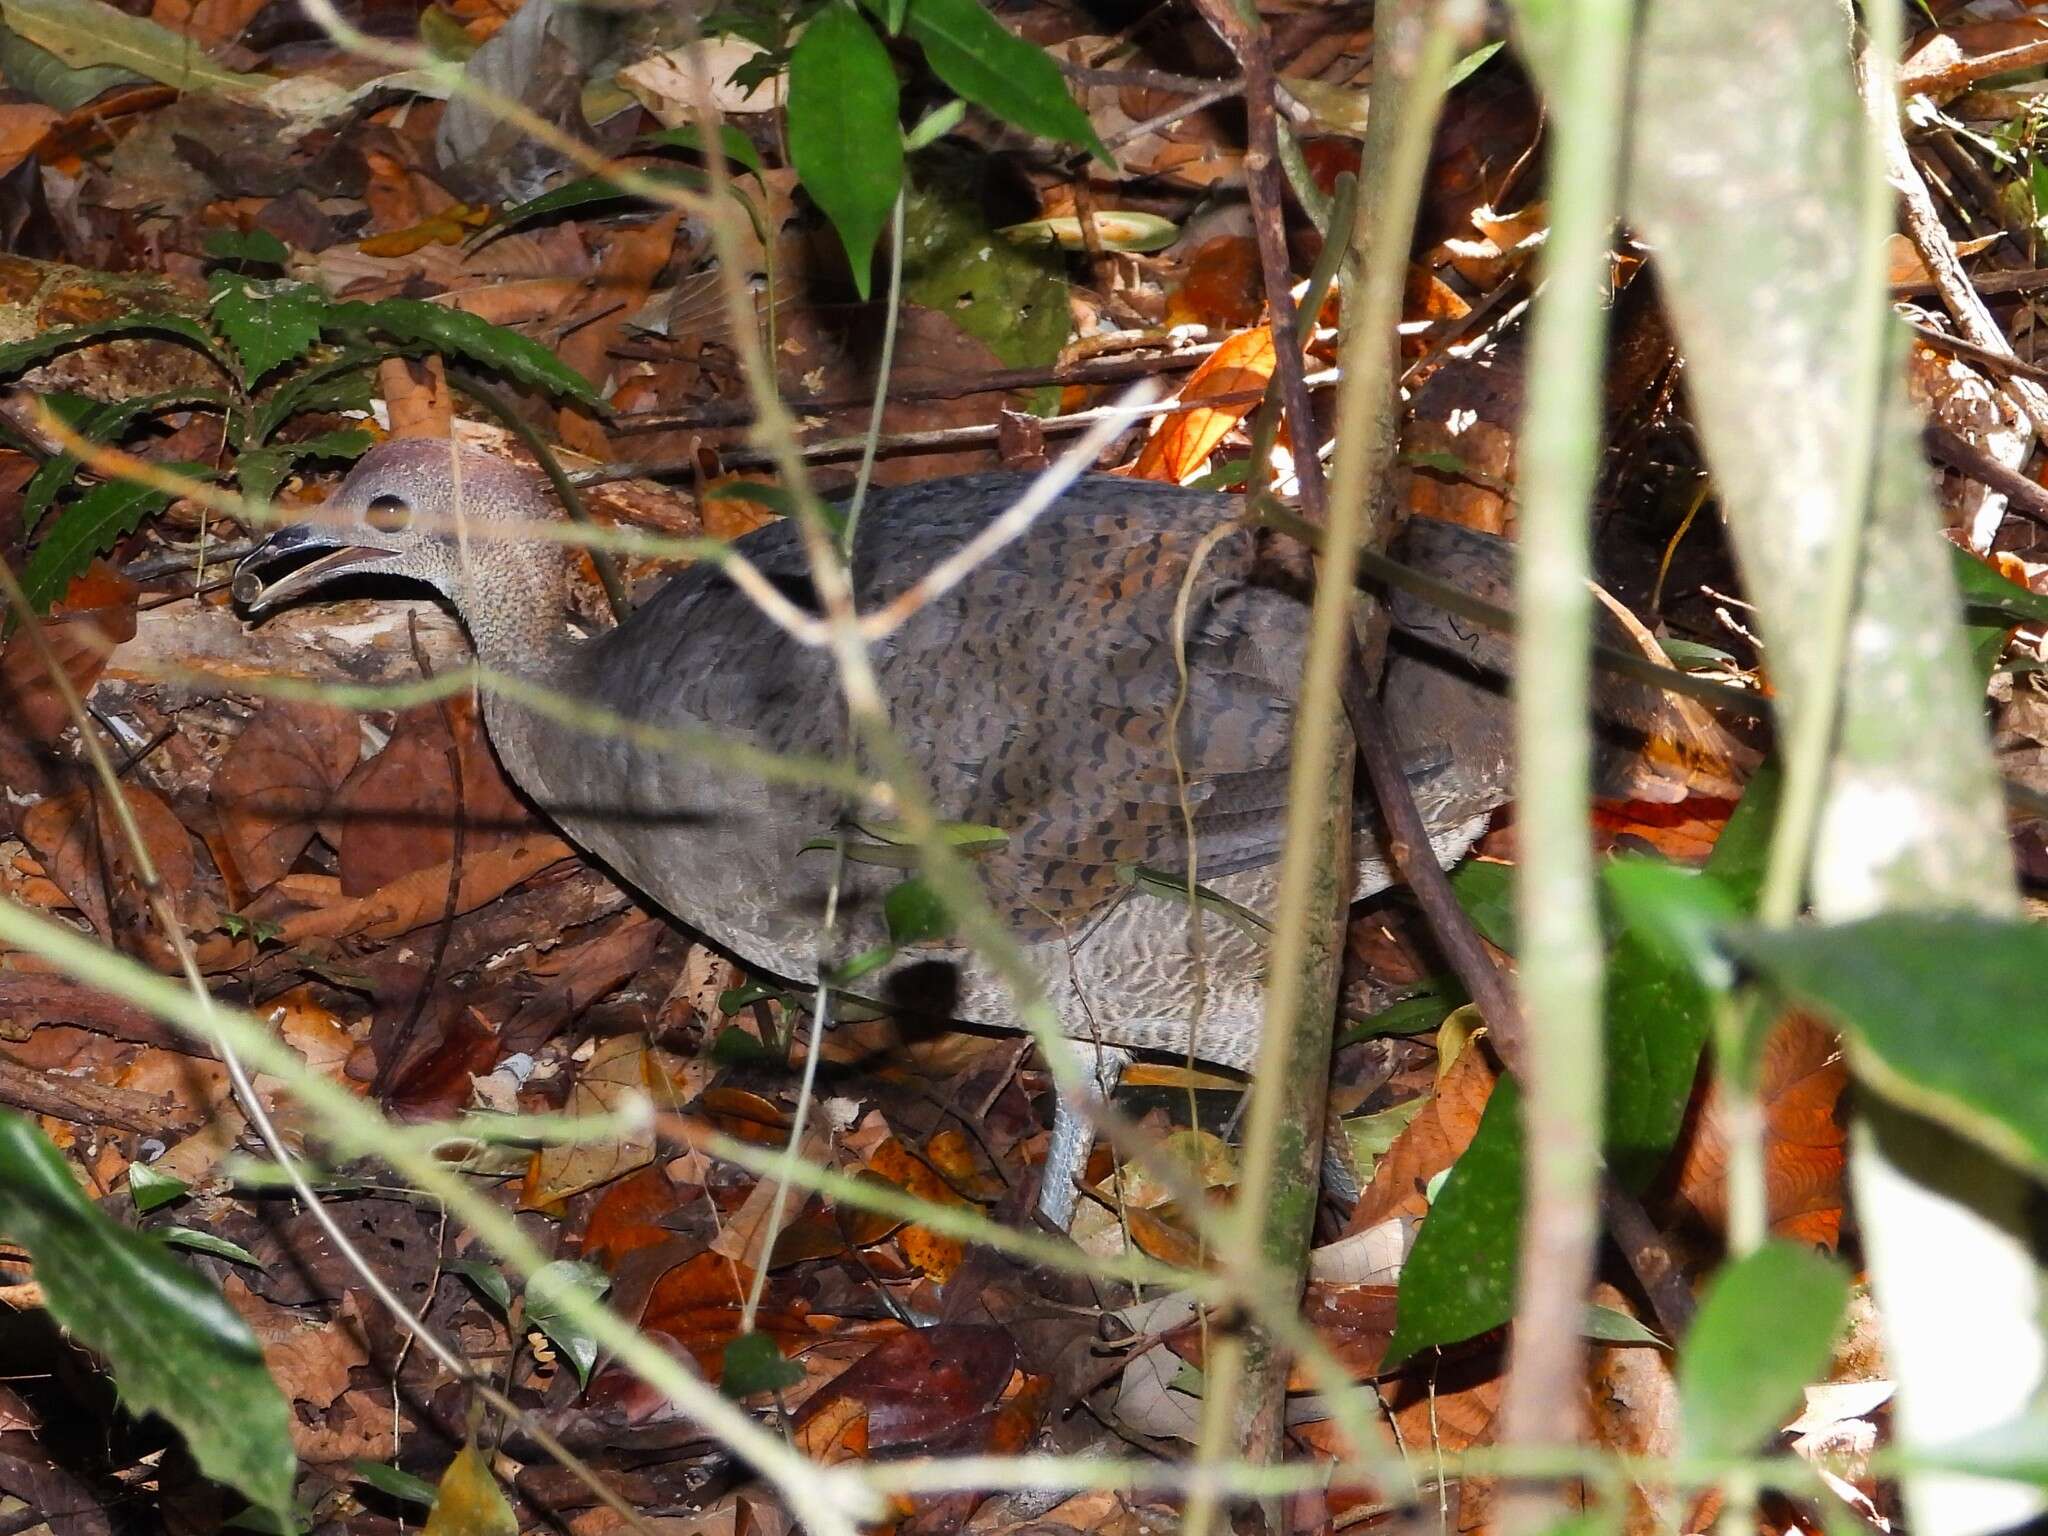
[[1487, 893], [87, 527], [268, 323], [844, 138], [174, 1346], [415, 322], [251, 247], [1410, 1016], [1678, 914], [1460, 1279], [341, 383], [915, 912], [739, 149], [1469, 65], [545, 1309], [585, 192], [47, 78], [1764, 1330], [753, 1363], [1942, 1012], [1116, 229], [206, 1242], [1370, 1136], [260, 471], [1609, 1325], [394, 1483], [1992, 605], [97, 424], [487, 1279], [934, 126], [26, 353], [1986, 590], [1659, 1009], [84, 33], [149, 1189], [994, 68], [1011, 298]]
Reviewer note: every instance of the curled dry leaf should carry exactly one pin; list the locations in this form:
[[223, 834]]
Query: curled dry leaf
[[276, 783], [422, 897], [79, 839], [1183, 443]]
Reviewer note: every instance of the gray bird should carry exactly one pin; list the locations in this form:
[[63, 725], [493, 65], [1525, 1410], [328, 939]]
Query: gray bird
[[1033, 698]]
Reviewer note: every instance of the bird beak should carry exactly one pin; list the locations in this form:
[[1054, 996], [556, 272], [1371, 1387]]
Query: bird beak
[[256, 592]]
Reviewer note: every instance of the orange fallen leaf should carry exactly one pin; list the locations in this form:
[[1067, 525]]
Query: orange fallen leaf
[[1183, 443]]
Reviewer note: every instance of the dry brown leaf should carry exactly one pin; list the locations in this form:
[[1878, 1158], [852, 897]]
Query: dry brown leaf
[[397, 812], [22, 127], [416, 391], [936, 1255], [277, 781], [82, 846], [97, 614], [622, 1070], [422, 896]]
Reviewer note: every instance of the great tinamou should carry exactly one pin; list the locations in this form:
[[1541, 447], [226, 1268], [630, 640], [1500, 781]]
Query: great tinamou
[[1033, 697]]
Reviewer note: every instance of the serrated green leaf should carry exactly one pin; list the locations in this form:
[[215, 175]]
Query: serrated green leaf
[[96, 424], [206, 1242], [1371, 1135], [544, 1309], [260, 471], [149, 1189], [753, 1363], [84, 33], [1764, 1331], [267, 323], [915, 912], [88, 527], [994, 68], [30, 350], [844, 137], [1460, 1279], [1010, 297], [339, 383], [1942, 1013], [174, 1346], [415, 322]]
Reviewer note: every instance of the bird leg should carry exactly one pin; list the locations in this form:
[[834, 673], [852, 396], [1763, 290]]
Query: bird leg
[[1073, 1132]]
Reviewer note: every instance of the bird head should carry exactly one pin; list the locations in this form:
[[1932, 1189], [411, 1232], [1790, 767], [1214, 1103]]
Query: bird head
[[414, 507]]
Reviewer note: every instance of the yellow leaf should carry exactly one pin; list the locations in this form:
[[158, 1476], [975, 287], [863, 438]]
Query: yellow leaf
[[469, 1501]]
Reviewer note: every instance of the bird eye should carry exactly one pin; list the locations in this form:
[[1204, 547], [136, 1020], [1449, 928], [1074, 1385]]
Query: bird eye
[[388, 514]]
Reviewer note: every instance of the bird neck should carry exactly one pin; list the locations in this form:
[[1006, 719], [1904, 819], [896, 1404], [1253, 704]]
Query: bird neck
[[514, 602]]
